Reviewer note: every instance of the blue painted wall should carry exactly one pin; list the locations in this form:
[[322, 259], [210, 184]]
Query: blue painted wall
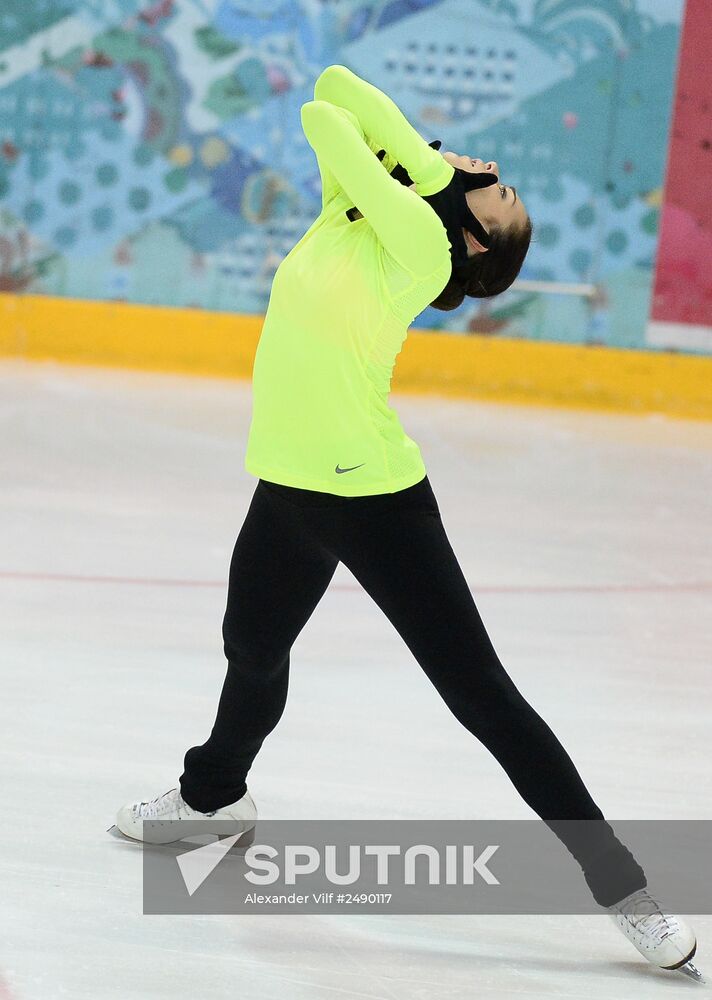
[[153, 152]]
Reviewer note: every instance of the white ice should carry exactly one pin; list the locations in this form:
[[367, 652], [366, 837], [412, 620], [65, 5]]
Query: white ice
[[585, 538]]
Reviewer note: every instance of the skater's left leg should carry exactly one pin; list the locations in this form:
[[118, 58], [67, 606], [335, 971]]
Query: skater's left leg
[[404, 560], [278, 574]]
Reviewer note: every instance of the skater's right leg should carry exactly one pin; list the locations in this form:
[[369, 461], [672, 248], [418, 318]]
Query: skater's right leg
[[278, 573]]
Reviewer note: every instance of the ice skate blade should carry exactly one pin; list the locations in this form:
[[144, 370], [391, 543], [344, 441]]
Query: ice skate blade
[[692, 972], [245, 840]]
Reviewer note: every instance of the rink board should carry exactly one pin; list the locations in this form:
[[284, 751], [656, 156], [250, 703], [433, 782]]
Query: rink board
[[154, 338]]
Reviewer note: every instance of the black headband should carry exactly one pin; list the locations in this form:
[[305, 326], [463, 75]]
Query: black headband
[[451, 205], [454, 212]]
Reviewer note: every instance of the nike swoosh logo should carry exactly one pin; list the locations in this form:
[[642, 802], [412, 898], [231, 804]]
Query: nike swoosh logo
[[338, 470]]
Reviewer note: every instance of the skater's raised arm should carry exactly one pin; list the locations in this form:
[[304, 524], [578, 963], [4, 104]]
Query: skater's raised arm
[[405, 224], [385, 127]]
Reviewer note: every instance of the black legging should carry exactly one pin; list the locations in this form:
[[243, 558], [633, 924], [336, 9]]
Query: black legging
[[396, 546]]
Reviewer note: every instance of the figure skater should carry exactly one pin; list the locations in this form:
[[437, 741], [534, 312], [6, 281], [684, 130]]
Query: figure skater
[[402, 226]]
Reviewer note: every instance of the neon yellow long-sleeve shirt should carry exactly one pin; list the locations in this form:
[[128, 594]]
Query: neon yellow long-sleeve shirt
[[342, 301]]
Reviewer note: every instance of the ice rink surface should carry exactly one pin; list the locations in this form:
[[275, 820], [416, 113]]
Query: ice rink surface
[[585, 538]]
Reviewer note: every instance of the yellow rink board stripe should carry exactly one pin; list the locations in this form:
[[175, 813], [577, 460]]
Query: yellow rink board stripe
[[156, 338]]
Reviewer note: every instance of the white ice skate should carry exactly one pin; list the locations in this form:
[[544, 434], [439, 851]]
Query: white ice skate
[[147, 821], [665, 940]]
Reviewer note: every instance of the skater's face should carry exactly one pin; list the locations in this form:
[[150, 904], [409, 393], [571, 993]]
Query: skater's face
[[497, 205]]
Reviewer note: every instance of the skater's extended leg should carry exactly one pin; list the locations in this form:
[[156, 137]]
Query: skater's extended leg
[[278, 573], [404, 560]]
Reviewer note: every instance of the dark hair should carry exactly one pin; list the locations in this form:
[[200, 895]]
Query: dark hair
[[490, 273]]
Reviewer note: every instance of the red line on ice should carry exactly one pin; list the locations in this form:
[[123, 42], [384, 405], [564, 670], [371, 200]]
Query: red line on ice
[[543, 588]]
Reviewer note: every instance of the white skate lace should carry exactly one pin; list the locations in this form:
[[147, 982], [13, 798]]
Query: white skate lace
[[645, 914], [170, 801]]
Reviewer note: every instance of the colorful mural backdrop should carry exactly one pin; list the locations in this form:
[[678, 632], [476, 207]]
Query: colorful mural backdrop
[[682, 301], [152, 152]]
